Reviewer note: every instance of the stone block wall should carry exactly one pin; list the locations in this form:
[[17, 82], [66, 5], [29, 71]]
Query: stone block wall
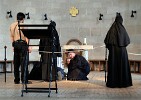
[[84, 25]]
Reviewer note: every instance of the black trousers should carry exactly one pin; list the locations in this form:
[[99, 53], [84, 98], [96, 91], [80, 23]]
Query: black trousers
[[20, 59]]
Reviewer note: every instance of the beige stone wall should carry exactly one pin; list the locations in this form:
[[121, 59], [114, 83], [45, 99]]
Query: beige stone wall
[[84, 25]]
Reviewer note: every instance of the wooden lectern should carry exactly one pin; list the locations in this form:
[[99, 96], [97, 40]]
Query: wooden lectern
[[39, 32]]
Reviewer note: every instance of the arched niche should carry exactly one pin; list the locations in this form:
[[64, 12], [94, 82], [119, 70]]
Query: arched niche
[[74, 42], [71, 42]]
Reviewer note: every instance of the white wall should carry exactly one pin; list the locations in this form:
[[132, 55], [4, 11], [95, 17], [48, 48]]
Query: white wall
[[85, 24]]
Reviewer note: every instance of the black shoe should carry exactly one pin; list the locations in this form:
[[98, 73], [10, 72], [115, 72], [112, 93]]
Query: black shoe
[[17, 82], [28, 82]]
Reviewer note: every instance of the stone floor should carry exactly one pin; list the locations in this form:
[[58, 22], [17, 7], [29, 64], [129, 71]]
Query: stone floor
[[93, 89]]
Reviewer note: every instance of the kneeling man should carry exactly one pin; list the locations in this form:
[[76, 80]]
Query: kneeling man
[[78, 68]]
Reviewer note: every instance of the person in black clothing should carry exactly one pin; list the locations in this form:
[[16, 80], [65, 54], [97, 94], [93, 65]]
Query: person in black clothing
[[78, 68], [47, 59], [116, 41]]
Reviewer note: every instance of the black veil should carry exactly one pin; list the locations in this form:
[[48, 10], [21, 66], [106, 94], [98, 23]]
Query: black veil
[[117, 34]]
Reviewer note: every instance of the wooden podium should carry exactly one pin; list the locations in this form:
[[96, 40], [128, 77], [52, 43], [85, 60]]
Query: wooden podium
[[38, 32]]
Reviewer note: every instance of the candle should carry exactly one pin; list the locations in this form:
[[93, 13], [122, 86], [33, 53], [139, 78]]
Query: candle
[[85, 41]]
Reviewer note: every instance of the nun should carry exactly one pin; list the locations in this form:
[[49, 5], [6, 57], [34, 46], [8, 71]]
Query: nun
[[116, 41]]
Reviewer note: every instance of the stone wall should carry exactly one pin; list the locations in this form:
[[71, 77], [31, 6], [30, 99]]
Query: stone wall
[[84, 25]]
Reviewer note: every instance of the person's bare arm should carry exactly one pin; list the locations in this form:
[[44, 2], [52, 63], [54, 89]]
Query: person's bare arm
[[11, 35], [29, 48]]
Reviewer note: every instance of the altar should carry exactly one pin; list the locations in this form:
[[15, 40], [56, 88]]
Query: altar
[[82, 48], [78, 47]]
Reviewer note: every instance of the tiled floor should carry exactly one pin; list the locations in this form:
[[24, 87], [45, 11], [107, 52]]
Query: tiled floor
[[93, 89]]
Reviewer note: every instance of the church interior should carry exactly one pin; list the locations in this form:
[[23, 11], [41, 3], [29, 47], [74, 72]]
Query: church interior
[[82, 25]]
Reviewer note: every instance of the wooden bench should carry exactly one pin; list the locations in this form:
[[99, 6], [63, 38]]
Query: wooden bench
[[99, 65], [135, 66], [2, 62]]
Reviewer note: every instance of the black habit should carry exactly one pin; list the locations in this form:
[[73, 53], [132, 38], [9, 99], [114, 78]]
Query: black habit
[[116, 40], [46, 45], [78, 68]]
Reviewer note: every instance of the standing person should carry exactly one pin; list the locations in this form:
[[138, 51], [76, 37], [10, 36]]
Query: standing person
[[19, 43], [116, 41], [78, 68]]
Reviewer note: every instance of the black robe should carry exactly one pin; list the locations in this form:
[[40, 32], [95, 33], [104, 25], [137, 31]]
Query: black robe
[[36, 72], [78, 68], [46, 45], [116, 40]]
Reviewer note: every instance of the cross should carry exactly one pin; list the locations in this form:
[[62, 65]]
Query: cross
[[73, 11]]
